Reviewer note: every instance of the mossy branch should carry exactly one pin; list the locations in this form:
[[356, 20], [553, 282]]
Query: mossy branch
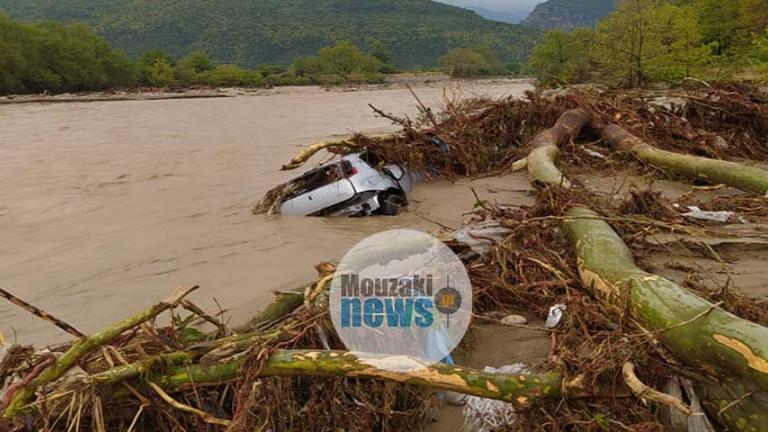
[[739, 176], [521, 390]]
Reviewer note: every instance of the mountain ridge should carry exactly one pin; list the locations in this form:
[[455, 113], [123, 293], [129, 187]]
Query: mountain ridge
[[568, 14], [497, 15], [251, 32]]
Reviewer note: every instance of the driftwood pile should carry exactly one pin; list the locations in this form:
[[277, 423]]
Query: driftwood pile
[[635, 351]]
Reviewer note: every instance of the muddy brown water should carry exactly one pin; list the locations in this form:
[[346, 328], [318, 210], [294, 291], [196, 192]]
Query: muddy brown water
[[105, 207]]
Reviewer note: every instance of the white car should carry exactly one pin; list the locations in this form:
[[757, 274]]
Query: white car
[[355, 185]]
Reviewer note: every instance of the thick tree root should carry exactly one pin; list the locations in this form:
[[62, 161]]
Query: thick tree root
[[733, 174], [721, 346], [542, 159]]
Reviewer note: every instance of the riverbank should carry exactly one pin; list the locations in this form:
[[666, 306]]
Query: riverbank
[[399, 81]]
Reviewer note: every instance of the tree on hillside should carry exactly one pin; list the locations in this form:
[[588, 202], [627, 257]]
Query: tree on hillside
[[676, 50], [377, 49], [563, 57], [718, 23], [648, 40], [753, 17], [759, 49]]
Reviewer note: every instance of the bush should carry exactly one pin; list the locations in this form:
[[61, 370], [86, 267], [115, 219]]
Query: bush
[[464, 62], [160, 74], [340, 63], [230, 76]]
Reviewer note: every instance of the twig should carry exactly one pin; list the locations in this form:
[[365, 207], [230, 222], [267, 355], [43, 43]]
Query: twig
[[686, 322], [188, 305], [186, 408], [36, 311], [644, 392], [424, 108], [734, 403]]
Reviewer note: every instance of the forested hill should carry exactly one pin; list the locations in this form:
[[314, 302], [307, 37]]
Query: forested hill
[[251, 32], [568, 14]]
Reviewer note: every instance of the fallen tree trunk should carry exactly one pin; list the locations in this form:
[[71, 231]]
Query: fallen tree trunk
[[733, 174], [545, 147], [729, 351], [521, 390]]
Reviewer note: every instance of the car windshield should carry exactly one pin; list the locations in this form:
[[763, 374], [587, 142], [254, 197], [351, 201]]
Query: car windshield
[[319, 177]]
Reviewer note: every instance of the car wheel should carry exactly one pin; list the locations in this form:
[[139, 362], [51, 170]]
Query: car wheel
[[390, 204]]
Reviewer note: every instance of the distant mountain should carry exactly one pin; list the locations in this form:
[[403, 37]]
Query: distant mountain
[[494, 15], [568, 14], [251, 32]]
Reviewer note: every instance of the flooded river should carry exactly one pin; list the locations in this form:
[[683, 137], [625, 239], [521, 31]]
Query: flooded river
[[105, 207]]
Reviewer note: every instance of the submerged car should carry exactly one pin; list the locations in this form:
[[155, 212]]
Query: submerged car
[[355, 185]]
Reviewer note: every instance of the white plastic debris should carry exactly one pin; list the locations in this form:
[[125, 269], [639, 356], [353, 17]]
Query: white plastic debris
[[480, 236], [712, 216], [513, 320], [594, 153], [556, 313], [487, 415], [720, 143], [673, 104], [677, 421]]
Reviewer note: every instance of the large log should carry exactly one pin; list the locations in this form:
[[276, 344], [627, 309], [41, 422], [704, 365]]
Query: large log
[[545, 147], [733, 174], [732, 353]]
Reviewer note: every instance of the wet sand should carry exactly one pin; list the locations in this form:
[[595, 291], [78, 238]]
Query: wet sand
[[105, 207]]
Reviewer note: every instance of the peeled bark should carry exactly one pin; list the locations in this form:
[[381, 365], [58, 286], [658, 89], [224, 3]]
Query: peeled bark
[[313, 149], [521, 390], [733, 174], [545, 152], [729, 351]]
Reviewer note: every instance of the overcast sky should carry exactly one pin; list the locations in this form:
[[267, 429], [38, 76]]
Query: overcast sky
[[499, 5]]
